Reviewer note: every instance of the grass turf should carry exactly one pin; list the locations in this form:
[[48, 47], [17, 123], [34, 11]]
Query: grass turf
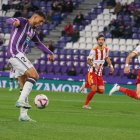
[[111, 118]]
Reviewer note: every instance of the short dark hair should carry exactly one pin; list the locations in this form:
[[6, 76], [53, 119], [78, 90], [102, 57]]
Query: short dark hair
[[40, 13], [99, 36]]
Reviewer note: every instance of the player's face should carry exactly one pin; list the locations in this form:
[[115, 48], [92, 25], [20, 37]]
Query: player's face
[[38, 21], [101, 41]]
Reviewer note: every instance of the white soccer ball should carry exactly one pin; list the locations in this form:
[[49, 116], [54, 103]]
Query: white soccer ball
[[41, 101]]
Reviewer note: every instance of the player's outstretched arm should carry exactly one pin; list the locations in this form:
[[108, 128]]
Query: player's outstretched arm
[[129, 57], [42, 47], [14, 21], [110, 64]]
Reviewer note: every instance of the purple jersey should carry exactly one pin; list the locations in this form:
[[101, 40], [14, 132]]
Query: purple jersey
[[21, 36]]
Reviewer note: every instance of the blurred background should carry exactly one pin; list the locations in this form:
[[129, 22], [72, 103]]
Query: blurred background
[[70, 32]]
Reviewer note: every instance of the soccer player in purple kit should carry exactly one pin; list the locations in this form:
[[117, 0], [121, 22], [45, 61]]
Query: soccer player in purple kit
[[23, 31]]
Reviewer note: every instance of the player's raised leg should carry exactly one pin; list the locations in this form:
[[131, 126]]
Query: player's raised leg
[[131, 93], [32, 77]]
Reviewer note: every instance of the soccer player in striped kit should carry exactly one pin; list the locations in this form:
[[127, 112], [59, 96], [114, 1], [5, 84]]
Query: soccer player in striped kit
[[129, 92], [23, 31], [95, 60]]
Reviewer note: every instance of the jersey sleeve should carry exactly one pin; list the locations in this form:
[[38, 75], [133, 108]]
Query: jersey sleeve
[[91, 54], [137, 50], [12, 20], [40, 45]]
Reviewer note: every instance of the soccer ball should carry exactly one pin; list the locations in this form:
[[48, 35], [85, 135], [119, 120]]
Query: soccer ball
[[41, 101]]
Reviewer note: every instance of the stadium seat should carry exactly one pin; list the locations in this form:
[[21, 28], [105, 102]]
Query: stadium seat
[[107, 22], [115, 41], [109, 41], [88, 34], [100, 17], [82, 40], [82, 46], [106, 11], [122, 41], [75, 45], [122, 48], [94, 34], [135, 42], [88, 40], [88, 28], [128, 41], [82, 33], [100, 22], [89, 46], [129, 48], [94, 23], [94, 28], [116, 47], [106, 17], [101, 28], [69, 45]]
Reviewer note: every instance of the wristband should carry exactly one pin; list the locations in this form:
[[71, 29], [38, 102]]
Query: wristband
[[126, 65]]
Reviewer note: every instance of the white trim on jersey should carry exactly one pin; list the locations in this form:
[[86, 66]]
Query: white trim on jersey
[[20, 37], [12, 39]]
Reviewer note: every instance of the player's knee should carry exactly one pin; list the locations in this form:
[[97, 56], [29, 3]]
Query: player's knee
[[37, 76], [101, 91], [33, 74]]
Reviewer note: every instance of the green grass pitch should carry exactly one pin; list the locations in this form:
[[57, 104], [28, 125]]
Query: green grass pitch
[[111, 118]]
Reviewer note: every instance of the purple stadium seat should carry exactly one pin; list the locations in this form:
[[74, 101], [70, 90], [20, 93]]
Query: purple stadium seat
[[69, 51], [78, 70], [57, 70], [116, 53], [83, 64], [42, 68], [69, 57], [63, 69], [62, 57], [75, 57], [62, 63], [82, 52], [49, 69], [83, 58], [55, 63], [69, 64], [76, 52]]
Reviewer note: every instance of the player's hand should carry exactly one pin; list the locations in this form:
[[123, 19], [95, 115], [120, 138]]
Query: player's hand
[[111, 70], [126, 70], [16, 23], [51, 58]]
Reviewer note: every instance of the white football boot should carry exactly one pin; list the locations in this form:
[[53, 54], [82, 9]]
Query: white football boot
[[86, 107], [114, 89], [25, 118]]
